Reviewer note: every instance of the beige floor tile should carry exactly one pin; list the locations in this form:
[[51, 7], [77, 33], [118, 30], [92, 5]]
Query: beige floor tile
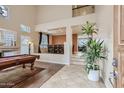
[[73, 76]]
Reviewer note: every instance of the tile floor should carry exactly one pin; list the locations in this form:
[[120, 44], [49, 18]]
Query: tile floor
[[73, 76]]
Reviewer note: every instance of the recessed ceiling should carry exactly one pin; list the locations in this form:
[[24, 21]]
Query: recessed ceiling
[[57, 31], [62, 31]]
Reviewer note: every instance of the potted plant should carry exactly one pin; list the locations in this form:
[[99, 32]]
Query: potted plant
[[94, 52]]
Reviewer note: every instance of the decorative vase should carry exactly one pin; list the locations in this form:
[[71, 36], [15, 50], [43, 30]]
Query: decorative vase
[[94, 75]]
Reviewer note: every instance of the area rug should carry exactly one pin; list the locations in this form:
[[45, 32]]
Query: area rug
[[14, 76]]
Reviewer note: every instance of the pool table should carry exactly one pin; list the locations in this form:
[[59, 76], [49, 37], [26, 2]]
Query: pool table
[[10, 61]]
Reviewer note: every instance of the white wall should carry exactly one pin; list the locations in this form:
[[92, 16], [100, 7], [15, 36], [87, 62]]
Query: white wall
[[52, 58], [56, 58], [104, 20], [48, 13], [66, 22]]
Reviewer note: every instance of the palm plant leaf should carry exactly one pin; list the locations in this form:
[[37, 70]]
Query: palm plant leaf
[[88, 29]]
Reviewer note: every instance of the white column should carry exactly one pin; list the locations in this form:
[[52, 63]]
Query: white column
[[68, 50]]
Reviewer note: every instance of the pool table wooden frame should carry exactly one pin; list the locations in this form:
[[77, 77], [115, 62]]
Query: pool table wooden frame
[[10, 61]]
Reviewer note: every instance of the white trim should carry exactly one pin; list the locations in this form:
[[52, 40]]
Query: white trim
[[46, 61]]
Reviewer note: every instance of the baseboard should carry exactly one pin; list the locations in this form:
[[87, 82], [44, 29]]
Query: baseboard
[[52, 62]]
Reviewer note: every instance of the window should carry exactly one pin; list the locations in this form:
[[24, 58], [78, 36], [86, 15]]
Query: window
[[25, 28], [3, 11], [81, 44], [44, 42], [82, 41], [9, 38]]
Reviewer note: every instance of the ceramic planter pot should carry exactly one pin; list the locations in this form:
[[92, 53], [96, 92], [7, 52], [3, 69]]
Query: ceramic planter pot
[[94, 75]]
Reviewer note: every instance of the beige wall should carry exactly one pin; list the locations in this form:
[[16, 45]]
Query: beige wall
[[48, 13], [31, 15], [59, 39], [104, 20], [21, 15]]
